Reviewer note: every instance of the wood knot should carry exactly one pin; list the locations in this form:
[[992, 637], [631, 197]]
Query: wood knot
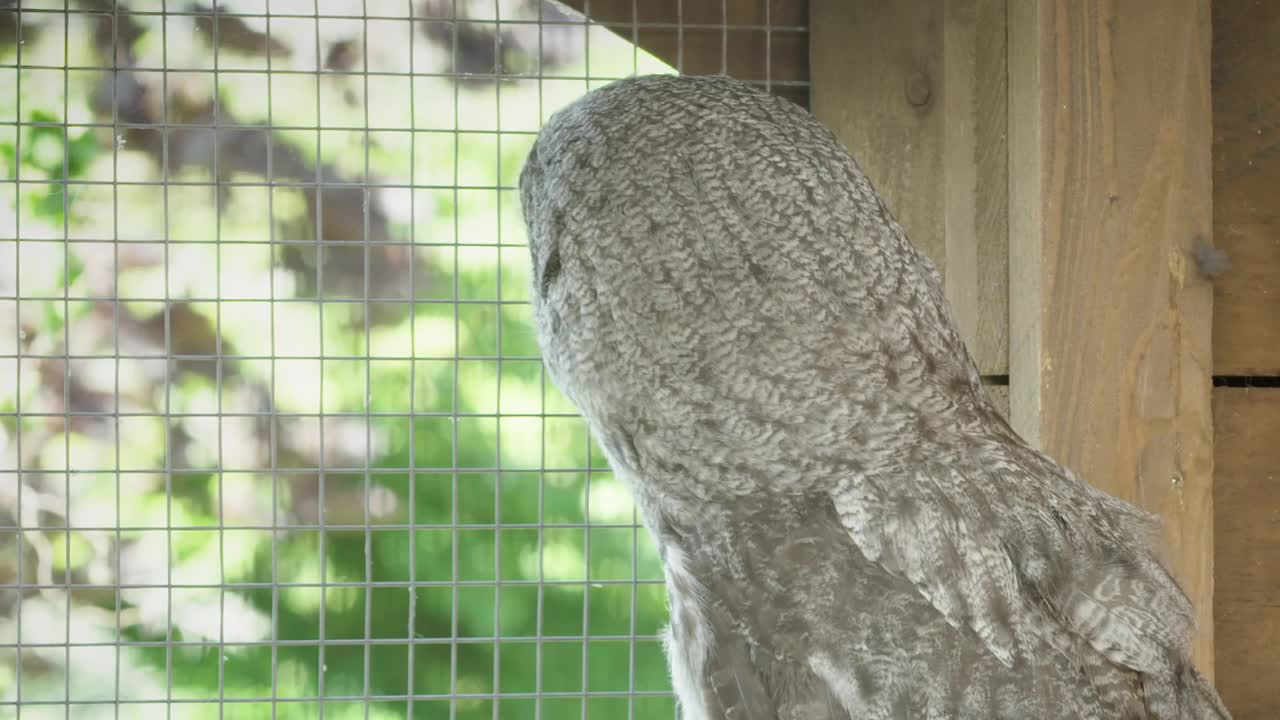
[[919, 90]]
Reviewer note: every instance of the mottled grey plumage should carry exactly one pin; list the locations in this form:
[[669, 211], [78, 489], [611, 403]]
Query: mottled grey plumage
[[849, 528]]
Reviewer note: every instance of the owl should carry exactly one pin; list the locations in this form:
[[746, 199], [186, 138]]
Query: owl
[[848, 527]]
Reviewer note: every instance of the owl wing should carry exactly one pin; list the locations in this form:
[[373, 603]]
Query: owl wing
[[998, 552]]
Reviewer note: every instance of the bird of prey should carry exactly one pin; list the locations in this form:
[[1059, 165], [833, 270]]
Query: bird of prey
[[849, 529]]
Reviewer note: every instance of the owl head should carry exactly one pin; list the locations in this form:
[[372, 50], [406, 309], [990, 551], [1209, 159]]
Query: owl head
[[708, 259]]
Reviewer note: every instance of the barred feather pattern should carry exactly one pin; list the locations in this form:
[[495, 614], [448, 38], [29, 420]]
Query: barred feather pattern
[[849, 528]]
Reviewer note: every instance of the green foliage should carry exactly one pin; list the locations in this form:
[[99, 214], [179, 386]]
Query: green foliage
[[49, 151], [310, 491]]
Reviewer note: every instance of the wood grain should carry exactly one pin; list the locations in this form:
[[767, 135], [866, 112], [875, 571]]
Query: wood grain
[[876, 77], [976, 180], [1027, 130], [1246, 299], [1246, 495], [1246, 179], [1246, 341], [917, 92], [1111, 184]]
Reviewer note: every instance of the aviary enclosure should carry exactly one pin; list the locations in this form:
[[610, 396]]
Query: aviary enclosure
[[274, 437]]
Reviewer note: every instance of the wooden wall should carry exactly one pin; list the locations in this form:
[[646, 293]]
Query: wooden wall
[[1053, 159], [917, 89], [1247, 541], [1246, 348], [1111, 191]]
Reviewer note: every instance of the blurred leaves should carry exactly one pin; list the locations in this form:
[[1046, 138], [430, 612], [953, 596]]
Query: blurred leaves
[[47, 149], [48, 154], [274, 378]]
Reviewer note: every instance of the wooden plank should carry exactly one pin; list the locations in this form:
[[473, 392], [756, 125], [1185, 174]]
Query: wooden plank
[[1246, 175], [1110, 186], [1246, 108], [1026, 214], [740, 13], [1247, 545], [876, 77], [975, 100], [1246, 299], [917, 92], [1246, 167], [708, 37]]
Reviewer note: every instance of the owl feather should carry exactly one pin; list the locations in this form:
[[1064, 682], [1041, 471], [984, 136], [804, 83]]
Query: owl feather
[[849, 528]]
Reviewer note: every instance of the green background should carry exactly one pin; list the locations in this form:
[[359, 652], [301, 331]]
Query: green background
[[197, 346]]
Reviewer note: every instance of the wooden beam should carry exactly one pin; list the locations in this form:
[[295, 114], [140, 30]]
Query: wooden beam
[[1247, 541], [760, 40], [1110, 189], [877, 83], [976, 180], [1026, 215], [1246, 178], [917, 91], [1246, 341]]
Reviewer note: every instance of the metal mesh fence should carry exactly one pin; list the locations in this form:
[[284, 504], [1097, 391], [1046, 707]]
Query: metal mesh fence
[[275, 441]]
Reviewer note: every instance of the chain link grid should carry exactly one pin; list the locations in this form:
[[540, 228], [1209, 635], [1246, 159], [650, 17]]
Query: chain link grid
[[275, 441]]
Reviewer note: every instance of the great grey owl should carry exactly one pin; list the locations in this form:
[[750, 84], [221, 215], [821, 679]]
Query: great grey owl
[[848, 527]]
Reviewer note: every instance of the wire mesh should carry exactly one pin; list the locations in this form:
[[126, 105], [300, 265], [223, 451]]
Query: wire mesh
[[275, 440]]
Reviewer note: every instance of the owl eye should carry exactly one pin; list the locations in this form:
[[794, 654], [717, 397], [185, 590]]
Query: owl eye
[[550, 270]]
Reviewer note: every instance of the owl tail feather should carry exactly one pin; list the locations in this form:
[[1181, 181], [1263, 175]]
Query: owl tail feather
[[1184, 695], [1203, 698]]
